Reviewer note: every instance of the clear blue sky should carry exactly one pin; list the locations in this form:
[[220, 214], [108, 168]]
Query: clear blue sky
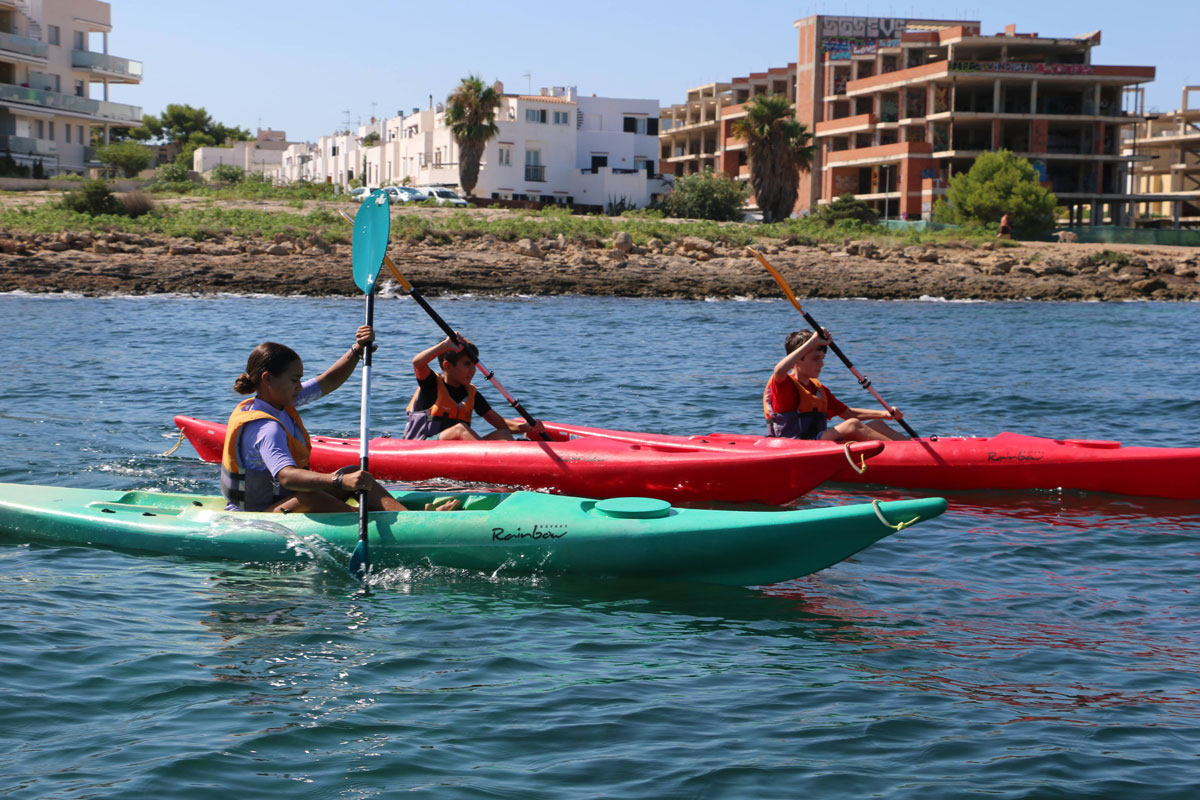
[[300, 66]]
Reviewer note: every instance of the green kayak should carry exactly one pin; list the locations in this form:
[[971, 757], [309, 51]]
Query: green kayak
[[518, 532]]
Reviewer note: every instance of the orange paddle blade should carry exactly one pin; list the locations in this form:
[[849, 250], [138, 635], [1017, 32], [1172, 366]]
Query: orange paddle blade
[[787, 290]]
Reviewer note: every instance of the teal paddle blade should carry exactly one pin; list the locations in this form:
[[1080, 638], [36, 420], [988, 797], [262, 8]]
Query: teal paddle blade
[[372, 225]]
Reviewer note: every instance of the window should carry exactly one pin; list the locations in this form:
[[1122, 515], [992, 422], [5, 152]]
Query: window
[[79, 130], [562, 118], [80, 89], [80, 41], [534, 171], [68, 130], [52, 34], [333, 151], [39, 130], [635, 125], [50, 130], [535, 115], [506, 156]]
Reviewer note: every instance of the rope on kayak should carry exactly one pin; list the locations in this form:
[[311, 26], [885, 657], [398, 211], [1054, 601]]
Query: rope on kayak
[[178, 442], [897, 527], [859, 469]]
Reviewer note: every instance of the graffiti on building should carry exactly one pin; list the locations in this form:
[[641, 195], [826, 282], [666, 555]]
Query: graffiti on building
[[941, 138], [915, 104], [839, 81], [863, 27], [842, 48], [1021, 67], [941, 98]]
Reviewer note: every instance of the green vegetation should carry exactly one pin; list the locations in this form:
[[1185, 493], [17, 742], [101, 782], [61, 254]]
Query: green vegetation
[[92, 199], [847, 207], [189, 127], [780, 148], [471, 114], [171, 173], [215, 215], [999, 183], [228, 173], [705, 195], [127, 158]]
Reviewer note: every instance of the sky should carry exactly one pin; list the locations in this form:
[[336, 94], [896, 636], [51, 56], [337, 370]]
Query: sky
[[311, 68]]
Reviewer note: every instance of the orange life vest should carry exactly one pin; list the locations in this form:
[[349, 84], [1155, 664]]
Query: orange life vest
[[233, 478], [807, 420]]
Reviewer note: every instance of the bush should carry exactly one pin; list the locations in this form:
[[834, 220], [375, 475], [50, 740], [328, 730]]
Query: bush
[[171, 173], [847, 207], [999, 183], [705, 195], [228, 173], [92, 198], [136, 203]]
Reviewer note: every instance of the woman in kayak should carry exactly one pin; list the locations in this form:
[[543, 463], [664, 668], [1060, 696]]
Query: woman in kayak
[[797, 406], [265, 459]]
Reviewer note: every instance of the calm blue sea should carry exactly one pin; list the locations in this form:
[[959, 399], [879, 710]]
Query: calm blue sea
[[1024, 645]]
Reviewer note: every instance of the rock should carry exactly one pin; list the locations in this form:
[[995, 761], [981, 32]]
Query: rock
[[103, 248], [179, 249], [1148, 285], [695, 243], [560, 242], [1001, 267], [58, 246], [655, 245], [281, 238], [280, 249], [527, 247], [622, 241]]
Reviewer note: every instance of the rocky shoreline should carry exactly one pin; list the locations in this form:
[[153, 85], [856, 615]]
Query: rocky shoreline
[[131, 264]]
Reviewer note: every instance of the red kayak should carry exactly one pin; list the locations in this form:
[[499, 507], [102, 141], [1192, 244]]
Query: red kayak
[[587, 466], [1004, 461]]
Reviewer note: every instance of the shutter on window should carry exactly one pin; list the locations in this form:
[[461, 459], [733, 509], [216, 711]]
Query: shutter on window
[[652, 126], [631, 125]]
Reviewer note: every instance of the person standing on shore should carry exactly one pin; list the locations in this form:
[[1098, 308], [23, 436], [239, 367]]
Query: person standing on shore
[[798, 406], [1005, 227]]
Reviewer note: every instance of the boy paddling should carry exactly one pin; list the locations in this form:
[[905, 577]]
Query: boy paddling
[[443, 405], [797, 406]]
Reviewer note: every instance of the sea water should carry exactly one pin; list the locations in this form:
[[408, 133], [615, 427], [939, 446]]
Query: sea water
[[1025, 644]]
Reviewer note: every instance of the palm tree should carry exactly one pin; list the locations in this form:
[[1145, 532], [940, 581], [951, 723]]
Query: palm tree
[[471, 115], [780, 148]]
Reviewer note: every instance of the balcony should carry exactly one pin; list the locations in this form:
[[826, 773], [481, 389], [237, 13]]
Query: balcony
[[21, 46], [104, 65], [24, 145], [114, 112], [535, 172]]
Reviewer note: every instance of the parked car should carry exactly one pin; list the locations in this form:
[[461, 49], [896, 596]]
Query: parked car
[[361, 192], [403, 194], [441, 196]]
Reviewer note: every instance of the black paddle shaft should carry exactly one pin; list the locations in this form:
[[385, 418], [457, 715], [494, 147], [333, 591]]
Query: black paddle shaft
[[363, 457], [441, 323], [863, 381]]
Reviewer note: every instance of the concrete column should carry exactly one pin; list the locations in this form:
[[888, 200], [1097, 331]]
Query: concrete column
[[1033, 97], [1096, 98], [996, 96]]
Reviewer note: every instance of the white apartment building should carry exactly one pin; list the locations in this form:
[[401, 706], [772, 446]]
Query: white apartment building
[[49, 73], [262, 155], [552, 147]]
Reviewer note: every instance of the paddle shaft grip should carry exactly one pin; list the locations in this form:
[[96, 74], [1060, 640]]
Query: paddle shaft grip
[[490, 376], [862, 381]]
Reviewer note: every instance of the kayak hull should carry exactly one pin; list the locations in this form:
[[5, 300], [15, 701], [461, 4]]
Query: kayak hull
[[510, 533], [597, 467], [1004, 461]]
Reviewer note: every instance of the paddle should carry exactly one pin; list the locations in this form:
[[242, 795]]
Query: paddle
[[368, 249], [441, 323], [862, 381]]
